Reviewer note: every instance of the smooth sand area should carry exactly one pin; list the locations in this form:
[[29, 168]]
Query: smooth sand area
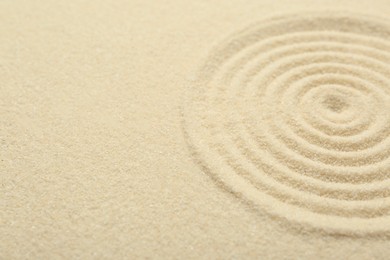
[[194, 129]]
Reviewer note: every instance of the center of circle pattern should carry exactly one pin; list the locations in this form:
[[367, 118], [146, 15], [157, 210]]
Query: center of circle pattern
[[293, 115]]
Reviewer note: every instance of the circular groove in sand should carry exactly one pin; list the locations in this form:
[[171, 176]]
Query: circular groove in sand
[[292, 114]]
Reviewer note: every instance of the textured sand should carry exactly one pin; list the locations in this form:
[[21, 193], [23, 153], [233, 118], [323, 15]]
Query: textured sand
[[294, 114], [194, 130]]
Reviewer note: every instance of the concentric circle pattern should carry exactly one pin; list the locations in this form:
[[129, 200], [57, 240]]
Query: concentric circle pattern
[[293, 115]]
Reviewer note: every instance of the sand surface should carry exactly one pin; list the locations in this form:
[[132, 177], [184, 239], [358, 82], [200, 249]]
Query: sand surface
[[194, 129]]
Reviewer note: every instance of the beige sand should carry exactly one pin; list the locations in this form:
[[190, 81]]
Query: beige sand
[[194, 130]]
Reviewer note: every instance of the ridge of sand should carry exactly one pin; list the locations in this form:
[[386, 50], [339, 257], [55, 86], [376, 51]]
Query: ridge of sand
[[292, 115]]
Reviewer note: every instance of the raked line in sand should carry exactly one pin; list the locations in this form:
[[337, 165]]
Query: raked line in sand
[[293, 115]]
